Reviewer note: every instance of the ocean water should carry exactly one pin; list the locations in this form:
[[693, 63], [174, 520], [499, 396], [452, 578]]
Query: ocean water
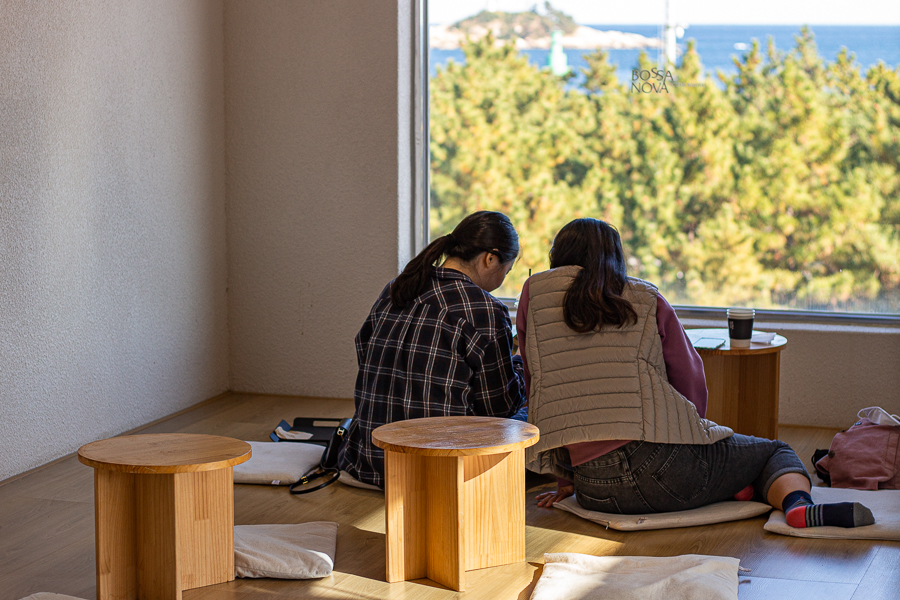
[[716, 46]]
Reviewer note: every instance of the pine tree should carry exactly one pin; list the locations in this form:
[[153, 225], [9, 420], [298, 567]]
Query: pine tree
[[777, 186]]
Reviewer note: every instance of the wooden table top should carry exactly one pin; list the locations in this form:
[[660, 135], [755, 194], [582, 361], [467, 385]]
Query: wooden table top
[[164, 453], [777, 344], [455, 436]]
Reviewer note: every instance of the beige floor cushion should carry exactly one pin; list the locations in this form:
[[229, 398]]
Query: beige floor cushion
[[719, 512], [689, 577], [884, 504], [49, 596], [348, 479], [280, 463], [292, 551]]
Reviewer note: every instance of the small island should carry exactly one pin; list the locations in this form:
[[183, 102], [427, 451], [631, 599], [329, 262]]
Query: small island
[[533, 30]]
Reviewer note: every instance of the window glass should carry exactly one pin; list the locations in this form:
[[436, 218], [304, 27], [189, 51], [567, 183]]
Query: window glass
[[743, 164]]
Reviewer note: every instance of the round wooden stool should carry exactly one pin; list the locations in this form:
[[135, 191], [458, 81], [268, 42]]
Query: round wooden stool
[[164, 512], [454, 495], [742, 383]]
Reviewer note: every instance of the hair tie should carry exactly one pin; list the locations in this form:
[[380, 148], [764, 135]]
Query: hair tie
[[452, 239]]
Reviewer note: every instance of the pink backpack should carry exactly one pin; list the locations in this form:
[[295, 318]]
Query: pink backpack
[[866, 456]]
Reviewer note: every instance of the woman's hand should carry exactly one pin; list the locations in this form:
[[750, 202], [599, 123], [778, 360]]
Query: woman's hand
[[547, 499]]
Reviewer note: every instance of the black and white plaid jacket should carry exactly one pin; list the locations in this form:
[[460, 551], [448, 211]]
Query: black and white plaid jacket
[[448, 353]]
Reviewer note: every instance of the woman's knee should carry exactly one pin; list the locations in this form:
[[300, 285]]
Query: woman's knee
[[784, 449]]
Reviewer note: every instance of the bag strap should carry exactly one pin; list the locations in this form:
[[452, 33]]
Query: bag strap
[[328, 465], [333, 473], [876, 414]]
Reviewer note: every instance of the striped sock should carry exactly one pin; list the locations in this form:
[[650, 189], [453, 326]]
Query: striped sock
[[799, 511]]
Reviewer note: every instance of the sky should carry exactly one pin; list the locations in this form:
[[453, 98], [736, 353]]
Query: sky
[[691, 12]]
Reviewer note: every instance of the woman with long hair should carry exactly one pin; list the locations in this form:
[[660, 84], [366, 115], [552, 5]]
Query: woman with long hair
[[436, 343], [619, 395]]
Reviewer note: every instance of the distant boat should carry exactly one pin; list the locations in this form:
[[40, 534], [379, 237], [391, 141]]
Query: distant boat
[[741, 46]]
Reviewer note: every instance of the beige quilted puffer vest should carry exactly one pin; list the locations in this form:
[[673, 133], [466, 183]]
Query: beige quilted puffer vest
[[609, 384]]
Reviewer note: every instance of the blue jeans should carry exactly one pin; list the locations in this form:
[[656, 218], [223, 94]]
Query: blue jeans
[[643, 477]]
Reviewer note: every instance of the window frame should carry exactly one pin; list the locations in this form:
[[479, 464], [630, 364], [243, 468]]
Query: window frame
[[421, 126]]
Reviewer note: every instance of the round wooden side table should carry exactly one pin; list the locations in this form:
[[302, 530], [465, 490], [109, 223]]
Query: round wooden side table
[[164, 512], [454, 495], [742, 382]]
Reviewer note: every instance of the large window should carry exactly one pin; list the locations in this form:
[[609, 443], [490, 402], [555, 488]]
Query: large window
[[753, 165]]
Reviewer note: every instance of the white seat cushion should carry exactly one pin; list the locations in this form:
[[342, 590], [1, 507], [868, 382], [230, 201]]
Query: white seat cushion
[[293, 551], [719, 512], [568, 575], [884, 504], [50, 596], [348, 479], [280, 463]]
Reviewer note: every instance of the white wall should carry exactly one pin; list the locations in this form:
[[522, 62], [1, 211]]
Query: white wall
[[828, 373], [318, 184], [112, 219]]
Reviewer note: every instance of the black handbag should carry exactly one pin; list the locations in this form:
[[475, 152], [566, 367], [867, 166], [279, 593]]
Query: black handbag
[[328, 466]]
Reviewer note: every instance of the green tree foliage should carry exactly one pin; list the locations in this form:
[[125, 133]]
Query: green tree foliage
[[779, 187], [506, 136]]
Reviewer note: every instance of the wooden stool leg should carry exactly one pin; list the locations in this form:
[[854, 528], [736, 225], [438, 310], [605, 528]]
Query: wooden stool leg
[[495, 513], [204, 523], [404, 499], [743, 392], [185, 537], [723, 380], [116, 543], [158, 574], [759, 394], [445, 526]]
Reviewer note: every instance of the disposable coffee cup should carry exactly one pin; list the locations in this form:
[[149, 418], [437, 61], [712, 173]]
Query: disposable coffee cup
[[740, 326]]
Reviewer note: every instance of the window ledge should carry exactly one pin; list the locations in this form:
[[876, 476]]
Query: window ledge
[[796, 319], [702, 316]]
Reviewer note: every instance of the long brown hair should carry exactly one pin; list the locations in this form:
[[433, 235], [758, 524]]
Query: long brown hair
[[482, 231], [595, 296]]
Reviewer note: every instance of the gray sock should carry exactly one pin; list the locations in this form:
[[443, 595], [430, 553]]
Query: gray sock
[[862, 515]]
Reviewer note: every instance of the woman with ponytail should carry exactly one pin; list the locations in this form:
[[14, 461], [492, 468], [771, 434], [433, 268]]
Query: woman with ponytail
[[619, 394], [436, 343]]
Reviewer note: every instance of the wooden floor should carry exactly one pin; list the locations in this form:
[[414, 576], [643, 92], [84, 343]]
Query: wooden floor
[[47, 531]]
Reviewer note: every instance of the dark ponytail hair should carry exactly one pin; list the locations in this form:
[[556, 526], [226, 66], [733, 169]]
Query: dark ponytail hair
[[595, 296], [482, 231]]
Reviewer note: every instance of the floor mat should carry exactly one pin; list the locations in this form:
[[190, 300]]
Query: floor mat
[[568, 575], [720, 512], [884, 504]]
